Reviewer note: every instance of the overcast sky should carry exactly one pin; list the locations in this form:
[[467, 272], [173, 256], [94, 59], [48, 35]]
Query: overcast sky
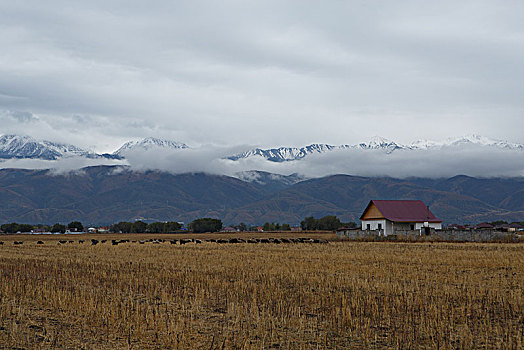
[[266, 73]]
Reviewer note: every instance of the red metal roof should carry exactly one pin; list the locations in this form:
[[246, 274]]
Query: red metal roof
[[484, 225], [403, 210]]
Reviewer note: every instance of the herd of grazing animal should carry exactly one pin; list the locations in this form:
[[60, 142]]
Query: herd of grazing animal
[[184, 241]]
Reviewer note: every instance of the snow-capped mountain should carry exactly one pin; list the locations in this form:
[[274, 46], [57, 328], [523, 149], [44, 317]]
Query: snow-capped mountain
[[380, 143], [148, 144], [485, 141], [20, 147], [284, 154], [15, 146], [468, 140]]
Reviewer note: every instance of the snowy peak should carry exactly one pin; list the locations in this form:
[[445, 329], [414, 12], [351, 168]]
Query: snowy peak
[[284, 154], [485, 141], [20, 147], [473, 138], [425, 145], [380, 143], [468, 140], [377, 143], [148, 144], [15, 146]]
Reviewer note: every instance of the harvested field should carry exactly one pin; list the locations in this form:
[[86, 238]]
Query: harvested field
[[259, 296]]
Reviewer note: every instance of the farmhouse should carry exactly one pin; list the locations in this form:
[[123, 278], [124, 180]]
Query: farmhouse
[[387, 216]]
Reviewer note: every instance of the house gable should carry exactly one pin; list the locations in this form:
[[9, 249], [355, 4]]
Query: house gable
[[372, 213]]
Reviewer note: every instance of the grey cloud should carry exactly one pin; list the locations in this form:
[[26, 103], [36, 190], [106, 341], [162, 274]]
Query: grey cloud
[[61, 166], [473, 160], [269, 73], [22, 117], [205, 159]]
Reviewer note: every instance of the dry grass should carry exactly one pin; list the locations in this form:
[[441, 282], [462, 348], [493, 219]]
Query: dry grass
[[209, 296]]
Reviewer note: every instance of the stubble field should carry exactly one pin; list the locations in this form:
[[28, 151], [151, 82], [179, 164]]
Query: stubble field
[[260, 296]]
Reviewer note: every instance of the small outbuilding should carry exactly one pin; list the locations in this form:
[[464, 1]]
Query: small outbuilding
[[484, 226], [389, 216]]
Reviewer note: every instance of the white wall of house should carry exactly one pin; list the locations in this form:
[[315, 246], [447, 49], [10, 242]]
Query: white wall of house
[[435, 225], [404, 226], [374, 224], [390, 227]]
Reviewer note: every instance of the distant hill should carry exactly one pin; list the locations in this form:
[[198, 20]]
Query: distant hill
[[346, 196], [107, 194]]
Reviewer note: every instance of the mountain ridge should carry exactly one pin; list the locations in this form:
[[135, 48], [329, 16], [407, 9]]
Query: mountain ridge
[[15, 146], [25, 147], [107, 194], [147, 144], [376, 143]]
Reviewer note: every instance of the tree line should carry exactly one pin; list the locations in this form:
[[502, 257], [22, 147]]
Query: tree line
[[326, 223], [142, 227], [74, 226]]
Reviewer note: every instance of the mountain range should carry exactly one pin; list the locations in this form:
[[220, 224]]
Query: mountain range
[[107, 194], [20, 147], [284, 154]]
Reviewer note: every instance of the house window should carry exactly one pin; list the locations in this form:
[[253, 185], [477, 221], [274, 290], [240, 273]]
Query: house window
[[412, 227], [368, 227], [380, 226]]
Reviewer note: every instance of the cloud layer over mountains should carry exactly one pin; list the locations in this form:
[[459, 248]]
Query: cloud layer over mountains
[[473, 156], [467, 160]]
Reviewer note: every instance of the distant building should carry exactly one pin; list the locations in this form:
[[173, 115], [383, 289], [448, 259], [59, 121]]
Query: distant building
[[296, 229], [456, 227], [502, 227], [484, 226], [388, 216], [229, 229]]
